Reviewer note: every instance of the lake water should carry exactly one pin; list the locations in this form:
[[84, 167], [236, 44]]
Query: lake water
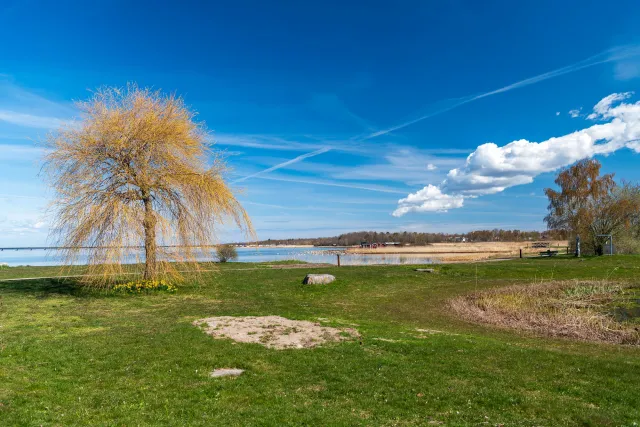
[[315, 255]]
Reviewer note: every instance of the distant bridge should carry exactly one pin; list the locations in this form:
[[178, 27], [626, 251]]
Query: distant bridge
[[24, 249]]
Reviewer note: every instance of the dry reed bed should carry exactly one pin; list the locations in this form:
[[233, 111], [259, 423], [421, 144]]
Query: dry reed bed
[[466, 251], [573, 309]]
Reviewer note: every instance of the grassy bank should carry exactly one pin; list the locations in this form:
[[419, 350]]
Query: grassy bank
[[69, 357]]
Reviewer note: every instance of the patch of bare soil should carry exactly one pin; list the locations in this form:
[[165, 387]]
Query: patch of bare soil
[[274, 331]]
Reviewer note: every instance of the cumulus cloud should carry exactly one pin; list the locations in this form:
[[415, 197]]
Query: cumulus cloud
[[602, 109], [429, 199], [491, 169], [431, 167]]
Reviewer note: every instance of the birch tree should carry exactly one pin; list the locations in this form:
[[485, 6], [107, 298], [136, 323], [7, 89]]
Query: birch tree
[[590, 205]]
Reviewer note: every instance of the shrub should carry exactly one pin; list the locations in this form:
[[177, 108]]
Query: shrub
[[626, 243], [226, 253], [144, 286]]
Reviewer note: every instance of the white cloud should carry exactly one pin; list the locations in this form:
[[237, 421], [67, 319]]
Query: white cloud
[[26, 108], [491, 169], [13, 152], [603, 107], [429, 199], [14, 227], [21, 148], [30, 120], [355, 186], [398, 164], [404, 164], [610, 55], [575, 113], [264, 142]]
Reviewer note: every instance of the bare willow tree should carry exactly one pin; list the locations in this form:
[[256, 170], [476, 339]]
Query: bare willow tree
[[137, 171]]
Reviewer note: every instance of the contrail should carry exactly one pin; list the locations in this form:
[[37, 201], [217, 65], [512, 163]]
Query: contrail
[[336, 184], [600, 58], [419, 119], [283, 164], [606, 56]]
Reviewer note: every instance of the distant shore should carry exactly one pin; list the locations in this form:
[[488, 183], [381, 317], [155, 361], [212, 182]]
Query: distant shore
[[294, 246], [462, 251], [248, 245]]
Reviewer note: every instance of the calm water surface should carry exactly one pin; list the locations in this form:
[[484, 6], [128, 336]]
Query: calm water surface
[[315, 255]]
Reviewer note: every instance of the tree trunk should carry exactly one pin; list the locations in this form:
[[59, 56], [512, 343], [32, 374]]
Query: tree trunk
[[149, 224]]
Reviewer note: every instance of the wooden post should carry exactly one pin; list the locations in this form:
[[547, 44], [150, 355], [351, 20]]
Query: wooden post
[[610, 245], [338, 255], [520, 252]]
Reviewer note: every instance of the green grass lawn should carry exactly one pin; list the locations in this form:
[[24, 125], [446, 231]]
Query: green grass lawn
[[69, 357]]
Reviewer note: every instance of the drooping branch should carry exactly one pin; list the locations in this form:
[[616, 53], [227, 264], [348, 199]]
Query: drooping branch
[[134, 172]]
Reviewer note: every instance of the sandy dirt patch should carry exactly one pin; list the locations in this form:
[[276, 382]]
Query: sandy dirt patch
[[274, 331]]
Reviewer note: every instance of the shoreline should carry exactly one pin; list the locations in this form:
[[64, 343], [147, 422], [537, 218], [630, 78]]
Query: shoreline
[[390, 255]]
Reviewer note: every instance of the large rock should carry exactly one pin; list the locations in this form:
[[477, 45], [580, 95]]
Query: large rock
[[318, 279]]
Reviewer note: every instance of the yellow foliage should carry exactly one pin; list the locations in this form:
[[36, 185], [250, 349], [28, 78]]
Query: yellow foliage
[[137, 172]]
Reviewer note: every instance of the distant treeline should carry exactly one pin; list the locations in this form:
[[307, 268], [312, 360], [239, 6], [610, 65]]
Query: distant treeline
[[413, 238]]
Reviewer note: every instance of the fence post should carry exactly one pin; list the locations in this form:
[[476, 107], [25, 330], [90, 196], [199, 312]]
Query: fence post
[[520, 252], [338, 255], [610, 245]]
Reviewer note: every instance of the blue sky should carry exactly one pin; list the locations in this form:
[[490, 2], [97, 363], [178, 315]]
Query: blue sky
[[330, 113]]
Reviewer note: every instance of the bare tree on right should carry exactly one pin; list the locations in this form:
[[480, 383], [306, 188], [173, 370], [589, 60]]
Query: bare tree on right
[[591, 205]]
